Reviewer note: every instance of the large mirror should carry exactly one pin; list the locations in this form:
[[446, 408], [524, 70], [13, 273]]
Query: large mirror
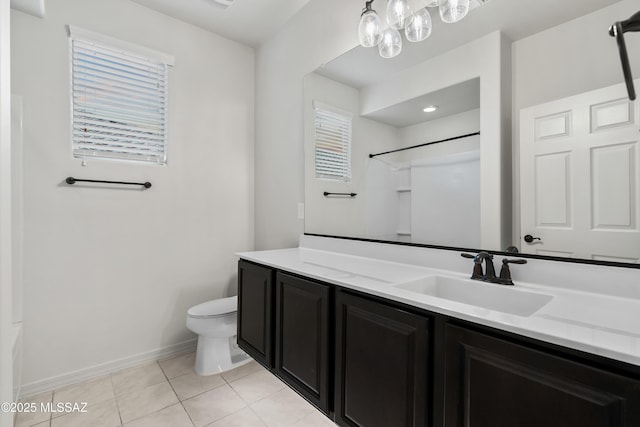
[[533, 146]]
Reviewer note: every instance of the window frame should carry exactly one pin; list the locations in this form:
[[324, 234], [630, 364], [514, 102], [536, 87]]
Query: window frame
[[347, 144], [138, 53]]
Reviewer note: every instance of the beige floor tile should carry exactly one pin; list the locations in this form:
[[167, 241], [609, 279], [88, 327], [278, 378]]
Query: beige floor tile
[[213, 405], [282, 408], [179, 365], [243, 418], [173, 416], [44, 424], [315, 419], [242, 371], [91, 392], [143, 402], [103, 414], [257, 385], [137, 378], [192, 384], [27, 419]]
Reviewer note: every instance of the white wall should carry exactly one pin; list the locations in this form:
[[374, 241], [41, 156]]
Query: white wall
[[443, 128], [6, 371], [575, 57], [111, 272], [488, 59], [314, 36], [341, 216], [16, 206]]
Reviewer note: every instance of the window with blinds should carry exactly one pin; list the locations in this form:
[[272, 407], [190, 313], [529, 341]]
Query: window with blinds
[[119, 102], [333, 143]]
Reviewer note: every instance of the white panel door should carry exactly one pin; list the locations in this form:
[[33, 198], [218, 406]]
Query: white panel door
[[579, 180]]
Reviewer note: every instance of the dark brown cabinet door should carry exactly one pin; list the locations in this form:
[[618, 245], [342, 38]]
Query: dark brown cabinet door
[[496, 383], [381, 364], [255, 313], [302, 337]]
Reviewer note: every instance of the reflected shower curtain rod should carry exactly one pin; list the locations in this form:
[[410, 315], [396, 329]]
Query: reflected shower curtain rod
[[425, 144]]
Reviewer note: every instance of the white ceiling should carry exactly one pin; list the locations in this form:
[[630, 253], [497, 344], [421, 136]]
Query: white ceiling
[[515, 18], [247, 21], [454, 99]]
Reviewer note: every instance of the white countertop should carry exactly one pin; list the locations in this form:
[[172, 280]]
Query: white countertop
[[605, 325]]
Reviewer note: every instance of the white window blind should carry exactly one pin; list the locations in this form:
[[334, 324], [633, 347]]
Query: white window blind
[[119, 102], [333, 143]]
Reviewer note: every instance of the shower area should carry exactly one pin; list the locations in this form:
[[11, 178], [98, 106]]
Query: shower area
[[428, 194]]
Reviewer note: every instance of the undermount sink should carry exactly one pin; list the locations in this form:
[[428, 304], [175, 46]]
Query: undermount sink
[[479, 294]]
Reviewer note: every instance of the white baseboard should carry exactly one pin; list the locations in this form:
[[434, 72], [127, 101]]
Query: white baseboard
[[52, 383]]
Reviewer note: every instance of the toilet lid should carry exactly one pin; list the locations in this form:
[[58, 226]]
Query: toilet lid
[[216, 307]]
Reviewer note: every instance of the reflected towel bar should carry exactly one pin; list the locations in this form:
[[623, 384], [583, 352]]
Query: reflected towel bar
[[71, 180], [327, 194], [425, 144]]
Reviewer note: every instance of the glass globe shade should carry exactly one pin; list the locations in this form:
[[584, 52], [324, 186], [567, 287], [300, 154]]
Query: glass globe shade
[[419, 26], [398, 12], [453, 10], [391, 43], [370, 29]]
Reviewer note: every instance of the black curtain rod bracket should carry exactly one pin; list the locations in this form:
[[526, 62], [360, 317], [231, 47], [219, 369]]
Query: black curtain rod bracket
[[371, 156], [617, 30], [328, 194], [71, 180]]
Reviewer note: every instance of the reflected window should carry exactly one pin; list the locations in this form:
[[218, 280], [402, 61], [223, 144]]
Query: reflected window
[[332, 143]]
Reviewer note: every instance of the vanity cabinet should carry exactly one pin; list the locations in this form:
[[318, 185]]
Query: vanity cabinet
[[255, 311], [381, 364], [493, 382], [302, 337], [370, 362]]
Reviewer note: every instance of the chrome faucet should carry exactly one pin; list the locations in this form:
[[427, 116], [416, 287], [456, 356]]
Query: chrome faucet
[[490, 275]]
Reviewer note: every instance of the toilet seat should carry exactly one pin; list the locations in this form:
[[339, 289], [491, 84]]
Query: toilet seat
[[215, 308]]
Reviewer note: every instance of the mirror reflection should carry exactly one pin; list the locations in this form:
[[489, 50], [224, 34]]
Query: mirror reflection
[[553, 170]]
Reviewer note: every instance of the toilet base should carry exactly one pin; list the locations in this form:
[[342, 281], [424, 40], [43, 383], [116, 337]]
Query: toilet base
[[217, 355]]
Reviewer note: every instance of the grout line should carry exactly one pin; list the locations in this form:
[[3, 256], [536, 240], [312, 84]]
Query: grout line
[[180, 401], [116, 399]]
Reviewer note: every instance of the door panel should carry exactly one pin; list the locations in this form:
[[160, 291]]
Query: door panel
[[255, 319], [495, 383], [302, 337], [381, 365], [580, 187]]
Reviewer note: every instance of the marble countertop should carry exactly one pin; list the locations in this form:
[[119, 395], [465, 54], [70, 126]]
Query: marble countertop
[[605, 325]]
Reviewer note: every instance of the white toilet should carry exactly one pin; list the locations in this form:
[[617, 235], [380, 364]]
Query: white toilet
[[215, 322]]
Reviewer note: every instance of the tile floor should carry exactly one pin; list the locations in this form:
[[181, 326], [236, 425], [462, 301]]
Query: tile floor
[[168, 393]]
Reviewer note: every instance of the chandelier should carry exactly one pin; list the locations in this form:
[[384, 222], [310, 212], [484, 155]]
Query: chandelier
[[416, 25]]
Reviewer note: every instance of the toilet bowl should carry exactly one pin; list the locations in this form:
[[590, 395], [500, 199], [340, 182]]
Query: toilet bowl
[[215, 322]]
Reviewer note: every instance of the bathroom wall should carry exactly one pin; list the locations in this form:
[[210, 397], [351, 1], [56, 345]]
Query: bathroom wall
[[314, 36], [317, 34], [109, 273], [6, 332], [368, 136]]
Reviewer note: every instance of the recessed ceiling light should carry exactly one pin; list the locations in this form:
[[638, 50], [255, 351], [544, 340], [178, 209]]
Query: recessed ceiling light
[[430, 108]]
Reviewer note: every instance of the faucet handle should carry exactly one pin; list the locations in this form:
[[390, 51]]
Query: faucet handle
[[505, 272], [477, 266]]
